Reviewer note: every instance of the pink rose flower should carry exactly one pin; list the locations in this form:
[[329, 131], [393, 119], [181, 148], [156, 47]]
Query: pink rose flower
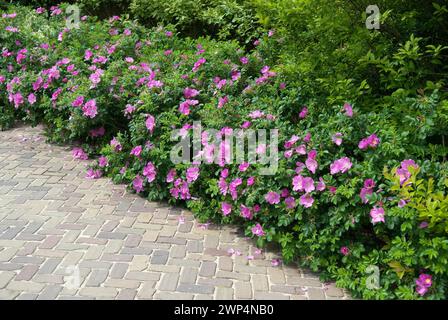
[[337, 138], [371, 141], [257, 230], [136, 151], [290, 202], [114, 143], [244, 60], [224, 173], [306, 200], [340, 166], [403, 171], [348, 110], [243, 167], [192, 174], [377, 214], [78, 153], [369, 184], [137, 184], [303, 113], [272, 197], [149, 171], [226, 208], [150, 123], [190, 93], [103, 162], [246, 212], [288, 144], [31, 98], [93, 174], [424, 282], [345, 251], [171, 175], [321, 185], [89, 109]]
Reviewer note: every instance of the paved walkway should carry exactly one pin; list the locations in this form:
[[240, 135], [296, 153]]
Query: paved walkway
[[65, 237]]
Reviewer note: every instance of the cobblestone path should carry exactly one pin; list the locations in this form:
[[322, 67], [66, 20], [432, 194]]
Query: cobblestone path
[[65, 237]]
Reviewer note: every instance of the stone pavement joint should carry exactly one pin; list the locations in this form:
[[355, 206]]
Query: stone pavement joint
[[65, 237]]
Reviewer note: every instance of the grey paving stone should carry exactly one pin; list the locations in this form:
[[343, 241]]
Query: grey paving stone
[[159, 257], [111, 235], [119, 270], [126, 294], [133, 240], [49, 266], [27, 296], [50, 292], [194, 246], [97, 277], [208, 269], [5, 277], [143, 275], [188, 275], [195, 288], [136, 251]]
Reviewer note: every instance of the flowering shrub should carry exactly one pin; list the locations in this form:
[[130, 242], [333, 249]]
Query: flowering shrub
[[121, 90]]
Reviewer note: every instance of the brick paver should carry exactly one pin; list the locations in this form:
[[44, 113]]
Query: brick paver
[[65, 237]]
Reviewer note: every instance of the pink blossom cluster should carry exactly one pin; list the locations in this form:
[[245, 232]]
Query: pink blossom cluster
[[266, 74], [341, 165], [371, 141], [369, 185], [403, 171], [377, 214], [423, 283]]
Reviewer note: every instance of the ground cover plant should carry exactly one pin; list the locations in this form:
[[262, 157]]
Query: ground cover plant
[[360, 192]]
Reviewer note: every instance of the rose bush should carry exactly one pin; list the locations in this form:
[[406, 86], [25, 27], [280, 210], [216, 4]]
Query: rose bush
[[349, 194]]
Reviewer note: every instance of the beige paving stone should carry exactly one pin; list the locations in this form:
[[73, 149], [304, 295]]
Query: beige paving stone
[[139, 263], [276, 276], [113, 246], [99, 292], [168, 282], [5, 277], [72, 258], [243, 290], [225, 264], [260, 282], [150, 236], [122, 283], [7, 254], [8, 294], [94, 252], [164, 269], [223, 293], [173, 296], [143, 276], [25, 286]]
